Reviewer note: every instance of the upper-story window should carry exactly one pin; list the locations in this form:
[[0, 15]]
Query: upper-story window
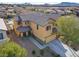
[[37, 27], [1, 36], [27, 22], [54, 30], [19, 22], [48, 28]]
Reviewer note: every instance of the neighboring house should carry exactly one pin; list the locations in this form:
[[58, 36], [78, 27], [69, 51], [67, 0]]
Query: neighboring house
[[3, 30], [2, 12], [40, 25], [50, 11], [77, 12], [10, 11], [62, 12], [10, 24], [68, 12]]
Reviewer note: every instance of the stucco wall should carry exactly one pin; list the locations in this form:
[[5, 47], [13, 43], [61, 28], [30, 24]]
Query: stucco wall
[[41, 33], [16, 26]]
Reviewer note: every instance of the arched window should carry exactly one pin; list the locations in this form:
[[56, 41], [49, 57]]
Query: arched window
[[54, 30]]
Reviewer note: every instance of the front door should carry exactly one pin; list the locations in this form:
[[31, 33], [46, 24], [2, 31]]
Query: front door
[[24, 34]]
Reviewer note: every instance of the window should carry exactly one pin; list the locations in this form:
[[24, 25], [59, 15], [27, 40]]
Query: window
[[27, 22], [1, 36], [19, 22], [54, 30], [48, 28], [19, 18], [54, 24], [37, 27]]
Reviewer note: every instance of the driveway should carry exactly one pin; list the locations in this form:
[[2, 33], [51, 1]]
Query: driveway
[[29, 45]]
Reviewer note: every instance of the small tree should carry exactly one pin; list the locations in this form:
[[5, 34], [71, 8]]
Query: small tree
[[11, 49], [69, 27]]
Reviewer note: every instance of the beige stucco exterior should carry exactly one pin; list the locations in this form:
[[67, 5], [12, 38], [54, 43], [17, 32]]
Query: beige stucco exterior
[[41, 33]]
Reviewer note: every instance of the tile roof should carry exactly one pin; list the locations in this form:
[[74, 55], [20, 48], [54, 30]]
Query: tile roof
[[39, 18], [23, 28]]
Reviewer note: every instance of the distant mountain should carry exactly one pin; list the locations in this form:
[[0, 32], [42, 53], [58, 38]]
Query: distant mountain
[[62, 4], [67, 4]]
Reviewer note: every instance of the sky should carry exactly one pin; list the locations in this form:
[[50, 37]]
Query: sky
[[38, 1]]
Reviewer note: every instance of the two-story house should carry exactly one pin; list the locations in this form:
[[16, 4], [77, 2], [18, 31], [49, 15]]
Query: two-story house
[[3, 29], [38, 24]]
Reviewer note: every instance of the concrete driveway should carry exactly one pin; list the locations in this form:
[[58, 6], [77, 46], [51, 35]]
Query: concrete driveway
[[26, 43]]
